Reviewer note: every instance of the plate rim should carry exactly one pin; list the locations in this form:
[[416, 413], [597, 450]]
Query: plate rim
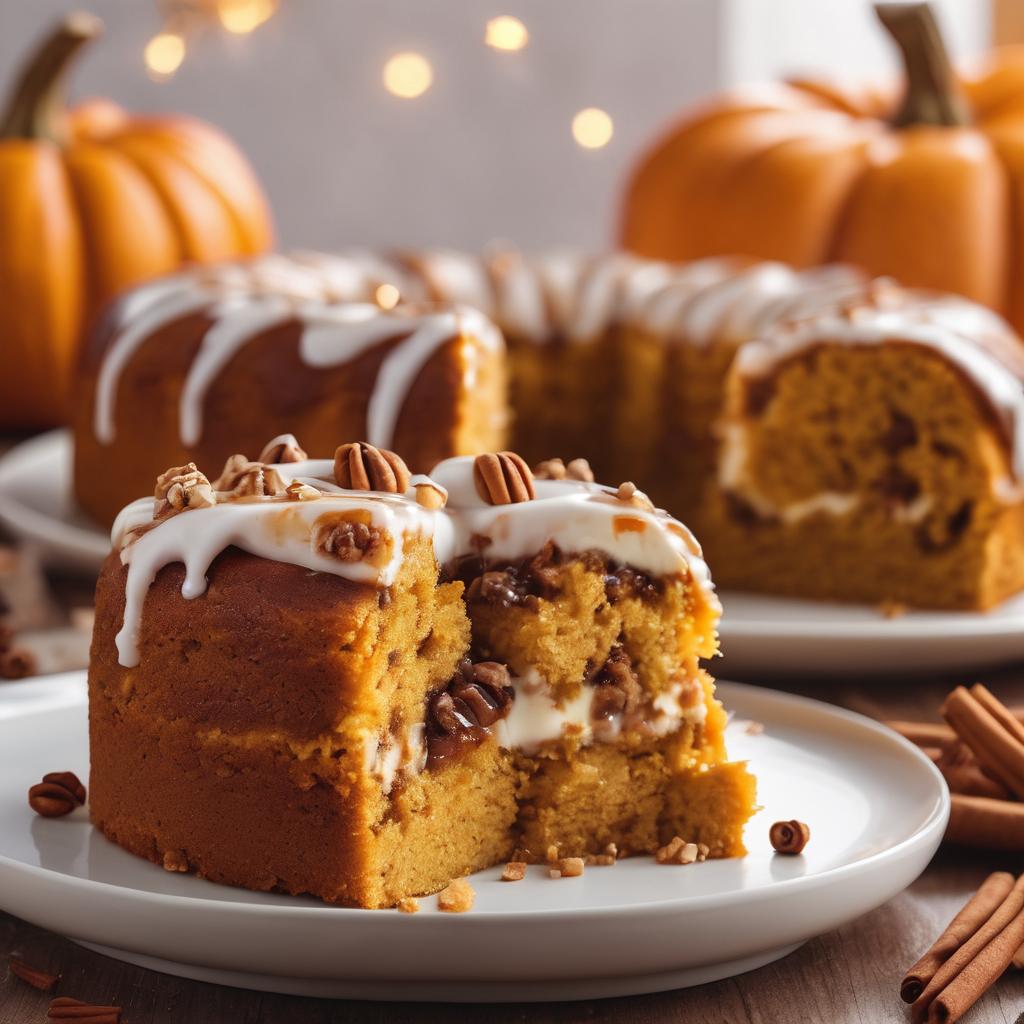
[[934, 821]]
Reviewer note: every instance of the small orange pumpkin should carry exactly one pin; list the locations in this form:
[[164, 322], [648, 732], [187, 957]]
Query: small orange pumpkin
[[92, 201], [930, 191]]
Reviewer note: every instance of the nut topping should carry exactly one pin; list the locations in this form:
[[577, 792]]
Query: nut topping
[[629, 494], [181, 488], [58, 794], [503, 478], [555, 469], [431, 495], [241, 478], [361, 467], [346, 539], [477, 697], [298, 491], [283, 448]]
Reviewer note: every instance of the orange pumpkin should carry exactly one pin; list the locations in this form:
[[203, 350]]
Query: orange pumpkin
[[930, 191], [92, 201]]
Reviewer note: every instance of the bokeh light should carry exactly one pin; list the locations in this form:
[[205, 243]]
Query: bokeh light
[[506, 33], [244, 16], [592, 128], [163, 54], [408, 75]]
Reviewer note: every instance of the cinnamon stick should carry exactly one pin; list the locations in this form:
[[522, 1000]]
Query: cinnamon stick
[[977, 976], [969, 780], [994, 927], [986, 823], [978, 909], [997, 750], [922, 734], [999, 711]]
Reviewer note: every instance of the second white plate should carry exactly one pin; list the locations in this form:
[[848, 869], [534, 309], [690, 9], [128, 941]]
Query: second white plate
[[767, 636], [876, 807]]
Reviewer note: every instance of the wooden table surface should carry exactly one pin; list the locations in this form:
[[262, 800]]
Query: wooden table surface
[[850, 975]]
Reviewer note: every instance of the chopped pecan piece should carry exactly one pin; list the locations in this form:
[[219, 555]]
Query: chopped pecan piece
[[180, 488], [283, 448], [361, 467], [515, 871], [617, 689], [241, 478], [502, 478], [345, 539], [629, 494], [460, 716]]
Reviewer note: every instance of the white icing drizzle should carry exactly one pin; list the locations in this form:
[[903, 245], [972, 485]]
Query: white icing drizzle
[[576, 516], [244, 300]]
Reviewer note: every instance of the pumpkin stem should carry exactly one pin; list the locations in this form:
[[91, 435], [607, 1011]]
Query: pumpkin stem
[[933, 96], [36, 109]]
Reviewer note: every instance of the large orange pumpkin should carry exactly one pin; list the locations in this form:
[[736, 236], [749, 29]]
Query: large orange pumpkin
[[92, 201], [930, 190]]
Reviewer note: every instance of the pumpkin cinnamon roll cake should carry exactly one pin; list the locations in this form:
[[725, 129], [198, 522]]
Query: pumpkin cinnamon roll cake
[[874, 450], [338, 678]]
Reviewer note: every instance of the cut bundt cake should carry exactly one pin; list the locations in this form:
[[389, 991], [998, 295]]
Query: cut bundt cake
[[626, 362], [340, 679], [214, 360], [873, 452]]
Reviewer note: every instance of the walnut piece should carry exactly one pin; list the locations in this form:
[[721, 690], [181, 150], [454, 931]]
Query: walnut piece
[[457, 897], [241, 478], [502, 478], [283, 448], [678, 851], [181, 488], [408, 905], [361, 467], [571, 867], [515, 871]]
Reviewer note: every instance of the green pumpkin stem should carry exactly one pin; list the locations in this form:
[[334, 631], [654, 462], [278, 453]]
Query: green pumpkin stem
[[36, 109], [933, 95]]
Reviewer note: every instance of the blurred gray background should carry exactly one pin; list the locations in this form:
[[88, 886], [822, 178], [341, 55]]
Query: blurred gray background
[[487, 152]]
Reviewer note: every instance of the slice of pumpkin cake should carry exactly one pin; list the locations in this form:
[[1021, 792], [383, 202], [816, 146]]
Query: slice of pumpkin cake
[[873, 451], [339, 679]]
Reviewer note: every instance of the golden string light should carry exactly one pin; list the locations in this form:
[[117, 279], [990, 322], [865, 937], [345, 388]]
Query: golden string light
[[241, 17], [166, 51], [408, 75], [506, 33], [163, 54], [592, 128]]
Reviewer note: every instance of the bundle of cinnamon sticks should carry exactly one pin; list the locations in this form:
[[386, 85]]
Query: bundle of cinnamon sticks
[[974, 950], [980, 752]]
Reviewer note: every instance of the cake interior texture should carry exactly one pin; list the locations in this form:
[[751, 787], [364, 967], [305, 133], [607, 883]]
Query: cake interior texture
[[640, 367], [444, 697]]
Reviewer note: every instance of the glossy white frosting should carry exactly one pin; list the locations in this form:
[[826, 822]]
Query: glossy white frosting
[[576, 516], [245, 300]]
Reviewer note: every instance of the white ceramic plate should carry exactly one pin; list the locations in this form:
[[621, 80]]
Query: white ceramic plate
[[875, 805], [36, 504], [768, 636]]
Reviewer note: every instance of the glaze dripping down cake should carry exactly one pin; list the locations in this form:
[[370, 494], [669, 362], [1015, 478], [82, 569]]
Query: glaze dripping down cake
[[197, 366], [341, 679], [641, 367]]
